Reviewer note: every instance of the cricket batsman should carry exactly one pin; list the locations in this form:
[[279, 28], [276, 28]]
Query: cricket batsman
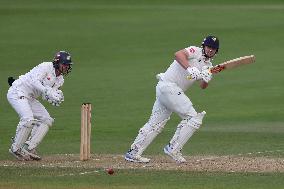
[[43, 81], [194, 63]]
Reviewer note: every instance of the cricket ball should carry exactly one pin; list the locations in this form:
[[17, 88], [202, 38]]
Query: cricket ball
[[110, 171]]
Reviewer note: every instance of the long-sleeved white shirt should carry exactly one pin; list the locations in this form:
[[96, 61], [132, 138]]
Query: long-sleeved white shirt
[[33, 83], [177, 74]]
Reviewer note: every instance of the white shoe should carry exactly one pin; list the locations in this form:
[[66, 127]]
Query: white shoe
[[136, 158], [19, 155], [177, 156], [31, 153]]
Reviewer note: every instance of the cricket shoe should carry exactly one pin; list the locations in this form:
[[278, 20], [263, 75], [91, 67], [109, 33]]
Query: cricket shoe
[[136, 158], [177, 156], [31, 153], [19, 155]]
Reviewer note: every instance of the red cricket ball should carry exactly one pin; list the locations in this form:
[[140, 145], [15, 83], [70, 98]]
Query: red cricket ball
[[110, 171]]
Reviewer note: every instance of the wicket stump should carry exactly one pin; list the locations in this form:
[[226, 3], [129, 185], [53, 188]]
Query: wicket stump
[[85, 152]]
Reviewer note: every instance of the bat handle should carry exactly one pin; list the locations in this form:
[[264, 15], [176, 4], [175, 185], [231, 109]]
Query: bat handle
[[217, 69]]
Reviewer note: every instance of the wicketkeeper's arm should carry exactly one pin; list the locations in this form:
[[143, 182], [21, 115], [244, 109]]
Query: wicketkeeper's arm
[[35, 81]]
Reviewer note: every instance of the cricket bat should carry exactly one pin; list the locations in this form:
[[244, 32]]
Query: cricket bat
[[231, 64]]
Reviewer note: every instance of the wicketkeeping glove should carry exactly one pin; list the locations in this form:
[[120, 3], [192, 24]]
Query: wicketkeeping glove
[[53, 96]]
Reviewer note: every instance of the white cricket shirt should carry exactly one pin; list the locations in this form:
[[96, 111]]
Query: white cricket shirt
[[177, 74], [33, 83]]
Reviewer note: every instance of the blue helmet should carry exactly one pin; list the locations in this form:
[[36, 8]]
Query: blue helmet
[[211, 41], [62, 57]]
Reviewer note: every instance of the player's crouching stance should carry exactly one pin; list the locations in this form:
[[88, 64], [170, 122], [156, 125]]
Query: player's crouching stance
[[43, 81], [194, 63]]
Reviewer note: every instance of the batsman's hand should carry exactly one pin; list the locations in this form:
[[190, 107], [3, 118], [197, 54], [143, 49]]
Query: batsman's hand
[[206, 75], [193, 73]]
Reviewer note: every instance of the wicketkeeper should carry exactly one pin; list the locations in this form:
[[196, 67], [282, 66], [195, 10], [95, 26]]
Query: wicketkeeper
[[43, 81], [193, 63]]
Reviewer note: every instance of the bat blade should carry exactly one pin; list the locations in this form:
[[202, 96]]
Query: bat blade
[[233, 63]]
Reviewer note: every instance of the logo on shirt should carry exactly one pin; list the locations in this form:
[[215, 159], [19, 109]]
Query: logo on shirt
[[48, 78], [191, 50]]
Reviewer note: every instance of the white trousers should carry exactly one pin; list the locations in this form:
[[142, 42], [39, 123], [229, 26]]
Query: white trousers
[[31, 113], [169, 98], [27, 108]]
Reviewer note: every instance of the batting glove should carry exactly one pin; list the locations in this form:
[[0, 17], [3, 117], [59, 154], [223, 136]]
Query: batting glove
[[206, 75], [193, 73]]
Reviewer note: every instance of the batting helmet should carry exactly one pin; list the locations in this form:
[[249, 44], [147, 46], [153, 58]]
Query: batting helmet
[[62, 57], [211, 41]]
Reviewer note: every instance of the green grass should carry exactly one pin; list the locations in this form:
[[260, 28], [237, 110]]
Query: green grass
[[118, 47], [73, 178]]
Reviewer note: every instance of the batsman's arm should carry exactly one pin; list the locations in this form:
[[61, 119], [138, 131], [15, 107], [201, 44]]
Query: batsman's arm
[[203, 84], [181, 57]]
